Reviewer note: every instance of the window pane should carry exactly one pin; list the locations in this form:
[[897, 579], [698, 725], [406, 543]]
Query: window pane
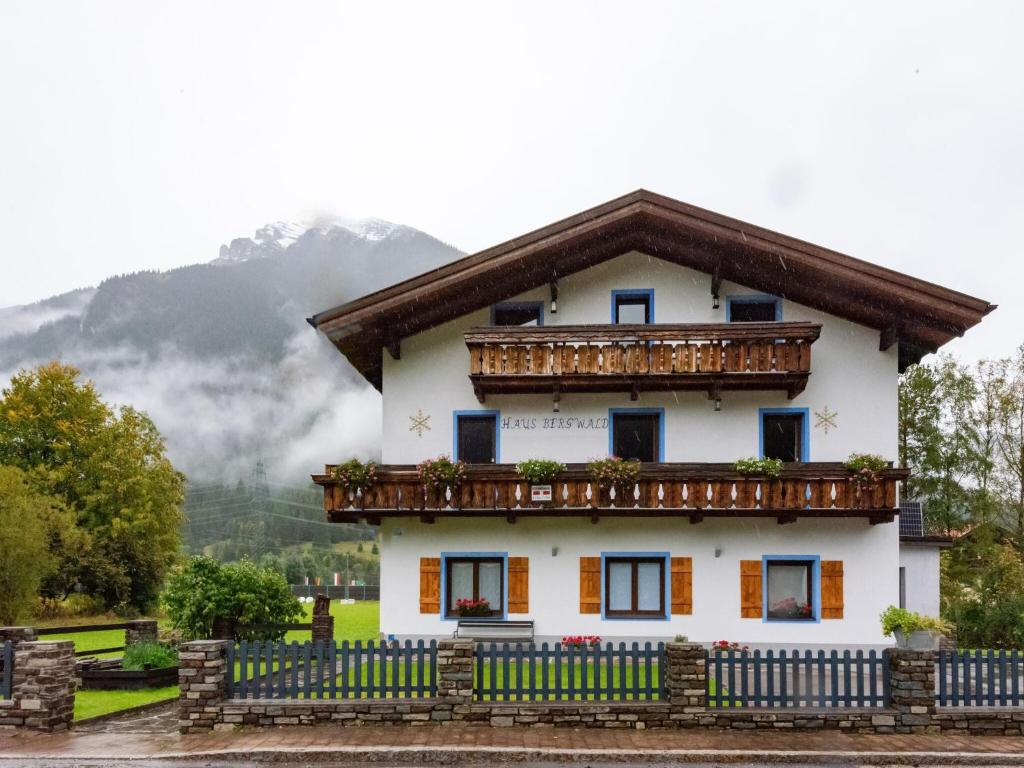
[[490, 584], [788, 590], [636, 436], [752, 311], [462, 582], [783, 434], [477, 438], [620, 587], [632, 311], [517, 314], [649, 581]]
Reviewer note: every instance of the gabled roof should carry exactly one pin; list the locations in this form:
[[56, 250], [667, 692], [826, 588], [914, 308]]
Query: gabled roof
[[918, 315]]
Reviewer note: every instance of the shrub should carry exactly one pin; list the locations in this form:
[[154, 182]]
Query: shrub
[[752, 466], [865, 468], [614, 471], [154, 655], [894, 618], [241, 592], [540, 471], [355, 475], [440, 473]]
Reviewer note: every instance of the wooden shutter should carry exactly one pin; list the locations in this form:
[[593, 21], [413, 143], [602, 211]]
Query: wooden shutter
[[750, 589], [519, 585], [590, 585], [831, 589], [430, 585], [682, 586]]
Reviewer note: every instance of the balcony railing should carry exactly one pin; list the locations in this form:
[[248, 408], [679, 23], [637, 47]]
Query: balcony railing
[[664, 490], [634, 358]]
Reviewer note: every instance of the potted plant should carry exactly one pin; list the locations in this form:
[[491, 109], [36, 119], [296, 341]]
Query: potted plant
[[913, 631], [864, 469], [752, 469], [438, 475], [540, 474], [617, 473], [354, 476], [465, 607]]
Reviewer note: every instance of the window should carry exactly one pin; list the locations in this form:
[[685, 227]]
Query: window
[[789, 590], [784, 434], [752, 309], [476, 437], [636, 435], [633, 307], [634, 587], [518, 313], [475, 578]]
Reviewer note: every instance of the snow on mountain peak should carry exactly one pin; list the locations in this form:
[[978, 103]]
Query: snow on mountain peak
[[280, 235]]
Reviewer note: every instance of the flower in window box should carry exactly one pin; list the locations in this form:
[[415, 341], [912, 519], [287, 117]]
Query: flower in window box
[[581, 641], [724, 646], [465, 606]]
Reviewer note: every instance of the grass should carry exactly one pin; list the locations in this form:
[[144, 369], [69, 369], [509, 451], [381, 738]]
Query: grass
[[357, 621], [90, 703]]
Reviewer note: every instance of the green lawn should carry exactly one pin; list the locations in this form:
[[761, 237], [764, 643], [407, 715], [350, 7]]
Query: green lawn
[[358, 621], [94, 703]]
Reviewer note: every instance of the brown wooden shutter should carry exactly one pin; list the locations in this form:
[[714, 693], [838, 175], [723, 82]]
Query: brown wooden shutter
[[750, 589], [831, 589], [590, 585], [682, 586], [430, 585], [519, 585]]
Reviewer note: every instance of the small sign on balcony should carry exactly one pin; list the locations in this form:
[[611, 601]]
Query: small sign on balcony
[[540, 493]]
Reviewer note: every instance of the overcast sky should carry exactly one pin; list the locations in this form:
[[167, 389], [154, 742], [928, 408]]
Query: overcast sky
[[142, 135]]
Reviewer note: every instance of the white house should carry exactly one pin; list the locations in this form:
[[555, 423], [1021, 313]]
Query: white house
[[652, 330]]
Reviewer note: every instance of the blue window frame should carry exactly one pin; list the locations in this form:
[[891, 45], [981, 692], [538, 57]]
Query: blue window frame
[[446, 609], [517, 312], [771, 603], [660, 434], [633, 297], [666, 586], [758, 299], [804, 428], [470, 419]]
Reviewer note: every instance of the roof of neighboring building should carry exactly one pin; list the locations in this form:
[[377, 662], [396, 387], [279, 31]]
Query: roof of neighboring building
[[912, 527], [917, 315]]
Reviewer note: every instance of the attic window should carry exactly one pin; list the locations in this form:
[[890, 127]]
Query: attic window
[[753, 309], [518, 313], [633, 307]]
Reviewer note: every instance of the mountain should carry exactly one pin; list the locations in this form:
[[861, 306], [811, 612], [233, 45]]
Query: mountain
[[219, 353]]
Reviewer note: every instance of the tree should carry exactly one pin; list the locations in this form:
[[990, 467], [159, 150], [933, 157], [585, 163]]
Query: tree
[[28, 519], [109, 468]]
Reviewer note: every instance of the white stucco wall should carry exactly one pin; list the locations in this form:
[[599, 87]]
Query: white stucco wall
[[868, 553], [921, 575]]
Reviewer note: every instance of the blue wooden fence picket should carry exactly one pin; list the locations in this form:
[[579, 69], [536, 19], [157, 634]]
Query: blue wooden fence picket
[[7, 669], [557, 672], [808, 679], [318, 670], [979, 678]]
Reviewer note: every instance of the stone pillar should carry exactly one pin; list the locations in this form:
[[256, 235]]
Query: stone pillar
[[323, 628], [43, 687], [17, 634], [912, 689], [202, 680], [686, 681], [454, 680], [140, 631]]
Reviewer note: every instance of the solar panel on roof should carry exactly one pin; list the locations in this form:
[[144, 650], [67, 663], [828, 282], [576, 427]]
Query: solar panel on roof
[[911, 518]]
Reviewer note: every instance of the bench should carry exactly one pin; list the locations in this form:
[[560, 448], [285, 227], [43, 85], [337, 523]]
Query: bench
[[494, 630]]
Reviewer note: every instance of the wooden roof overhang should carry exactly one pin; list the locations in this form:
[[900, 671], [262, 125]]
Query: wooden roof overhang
[[917, 315]]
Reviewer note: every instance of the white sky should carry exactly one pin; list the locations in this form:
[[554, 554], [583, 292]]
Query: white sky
[[142, 135]]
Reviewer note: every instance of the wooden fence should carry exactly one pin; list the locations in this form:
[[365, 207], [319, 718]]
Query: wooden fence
[[6, 668], [810, 679], [318, 670], [979, 678], [532, 672]]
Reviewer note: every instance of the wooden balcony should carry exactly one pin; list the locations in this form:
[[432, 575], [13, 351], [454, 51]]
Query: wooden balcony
[[693, 491], [636, 358]]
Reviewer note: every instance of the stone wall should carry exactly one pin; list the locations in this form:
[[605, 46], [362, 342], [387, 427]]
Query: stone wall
[[43, 687], [203, 705], [140, 631]]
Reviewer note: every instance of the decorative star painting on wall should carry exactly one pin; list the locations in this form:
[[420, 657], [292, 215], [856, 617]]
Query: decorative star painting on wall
[[420, 422], [826, 419]]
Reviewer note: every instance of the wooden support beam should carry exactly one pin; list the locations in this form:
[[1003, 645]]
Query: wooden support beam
[[888, 337], [634, 393], [594, 517], [879, 519], [373, 519], [785, 519], [696, 517], [428, 518], [481, 395], [395, 349], [716, 280], [510, 517]]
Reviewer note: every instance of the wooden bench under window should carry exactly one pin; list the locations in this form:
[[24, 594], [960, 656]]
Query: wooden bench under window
[[490, 630]]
